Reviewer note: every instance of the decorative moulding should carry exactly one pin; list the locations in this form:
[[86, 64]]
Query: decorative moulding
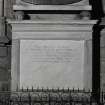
[[82, 5]]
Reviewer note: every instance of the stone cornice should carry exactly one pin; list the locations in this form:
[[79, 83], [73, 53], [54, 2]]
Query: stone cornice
[[79, 22], [52, 25], [52, 7]]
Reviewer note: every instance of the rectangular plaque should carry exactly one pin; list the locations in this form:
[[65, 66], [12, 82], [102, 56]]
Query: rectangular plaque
[[52, 63]]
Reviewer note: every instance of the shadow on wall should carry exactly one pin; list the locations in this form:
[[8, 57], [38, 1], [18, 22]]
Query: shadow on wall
[[5, 62], [97, 9]]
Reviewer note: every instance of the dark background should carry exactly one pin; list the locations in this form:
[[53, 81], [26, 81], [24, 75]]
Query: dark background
[[97, 9]]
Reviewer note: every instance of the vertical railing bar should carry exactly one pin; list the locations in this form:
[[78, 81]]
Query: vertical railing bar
[[102, 98], [91, 98], [29, 96], [70, 98]]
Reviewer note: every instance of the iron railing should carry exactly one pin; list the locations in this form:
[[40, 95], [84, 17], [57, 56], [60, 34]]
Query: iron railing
[[50, 97]]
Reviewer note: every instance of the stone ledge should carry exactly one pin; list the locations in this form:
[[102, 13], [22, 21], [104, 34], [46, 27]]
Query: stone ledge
[[52, 7], [65, 21]]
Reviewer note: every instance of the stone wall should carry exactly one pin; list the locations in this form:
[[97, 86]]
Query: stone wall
[[5, 62], [102, 59], [5, 49]]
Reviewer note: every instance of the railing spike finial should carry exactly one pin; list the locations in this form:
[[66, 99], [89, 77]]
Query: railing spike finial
[[58, 89], [22, 89], [52, 89], [68, 89], [63, 89], [78, 90], [89, 91], [73, 89], [27, 89], [83, 89], [42, 89], [37, 88], [32, 89], [47, 88], [17, 88]]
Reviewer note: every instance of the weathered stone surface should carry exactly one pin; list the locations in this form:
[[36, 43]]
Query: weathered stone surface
[[102, 59], [102, 51], [5, 63], [77, 30], [52, 63], [51, 2]]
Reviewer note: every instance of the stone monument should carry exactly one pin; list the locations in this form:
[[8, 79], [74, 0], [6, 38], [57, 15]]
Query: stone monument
[[52, 50]]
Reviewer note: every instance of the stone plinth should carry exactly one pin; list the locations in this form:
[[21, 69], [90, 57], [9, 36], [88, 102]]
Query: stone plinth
[[44, 37]]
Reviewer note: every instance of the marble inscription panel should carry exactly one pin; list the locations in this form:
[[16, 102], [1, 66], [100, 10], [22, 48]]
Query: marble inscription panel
[[51, 63]]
